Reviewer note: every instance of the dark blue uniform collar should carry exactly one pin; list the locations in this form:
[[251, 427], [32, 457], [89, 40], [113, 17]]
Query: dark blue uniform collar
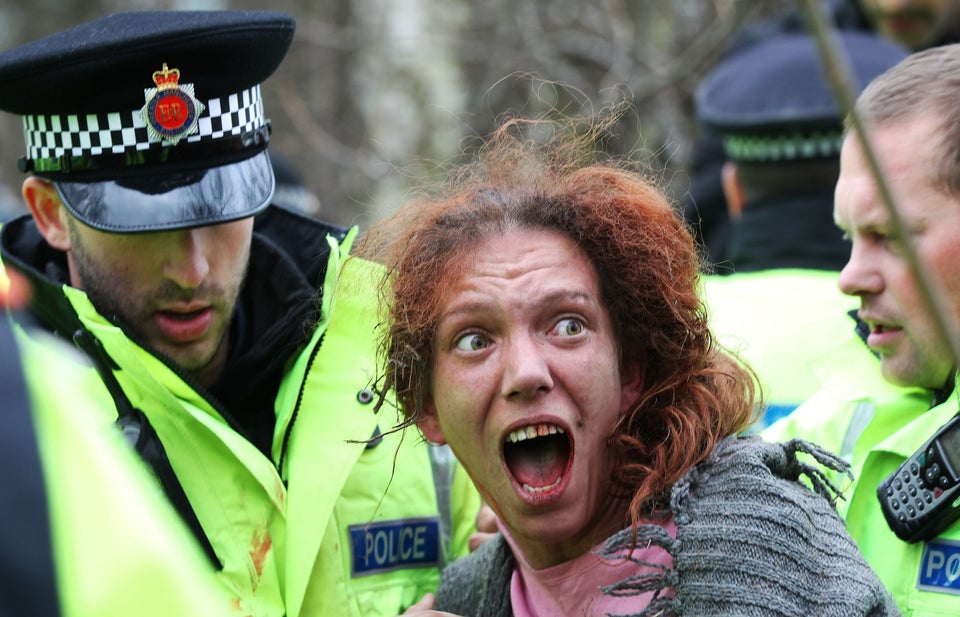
[[788, 231]]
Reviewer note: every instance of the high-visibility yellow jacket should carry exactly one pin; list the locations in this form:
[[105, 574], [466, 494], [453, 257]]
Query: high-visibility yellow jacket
[[118, 548], [374, 520], [876, 426], [781, 321], [324, 525]]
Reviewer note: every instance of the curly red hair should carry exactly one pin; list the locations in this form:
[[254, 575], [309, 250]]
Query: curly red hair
[[648, 266]]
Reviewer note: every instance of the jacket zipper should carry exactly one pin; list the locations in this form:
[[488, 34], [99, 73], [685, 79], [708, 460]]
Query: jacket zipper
[[296, 407]]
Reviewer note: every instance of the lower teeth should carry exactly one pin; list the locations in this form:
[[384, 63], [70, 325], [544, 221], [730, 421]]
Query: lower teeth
[[540, 489]]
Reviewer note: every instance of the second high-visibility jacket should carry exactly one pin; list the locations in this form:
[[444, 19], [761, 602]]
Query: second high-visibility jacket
[[781, 321], [876, 426]]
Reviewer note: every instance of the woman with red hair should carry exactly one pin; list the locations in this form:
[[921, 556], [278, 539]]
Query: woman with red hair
[[545, 321]]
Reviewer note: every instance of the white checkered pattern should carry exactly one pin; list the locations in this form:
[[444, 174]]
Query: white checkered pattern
[[114, 133]]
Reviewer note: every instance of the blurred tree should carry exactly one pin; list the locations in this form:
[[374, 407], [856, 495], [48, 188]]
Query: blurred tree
[[373, 91]]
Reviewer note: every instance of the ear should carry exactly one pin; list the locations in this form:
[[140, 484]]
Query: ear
[[48, 212], [732, 189], [429, 425], [631, 385]]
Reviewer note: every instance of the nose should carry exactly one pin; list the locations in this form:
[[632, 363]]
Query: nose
[[527, 371], [187, 264], [860, 277]]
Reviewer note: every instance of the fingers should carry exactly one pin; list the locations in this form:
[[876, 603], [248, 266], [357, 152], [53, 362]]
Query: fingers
[[477, 539], [425, 604], [486, 520]]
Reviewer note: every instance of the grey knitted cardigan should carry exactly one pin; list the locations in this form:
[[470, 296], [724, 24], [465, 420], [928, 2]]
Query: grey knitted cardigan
[[751, 540]]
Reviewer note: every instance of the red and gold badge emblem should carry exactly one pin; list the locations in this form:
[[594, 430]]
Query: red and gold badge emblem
[[171, 110]]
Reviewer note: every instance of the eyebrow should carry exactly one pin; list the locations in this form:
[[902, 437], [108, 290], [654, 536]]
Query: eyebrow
[[557, 296], [868, 222], [579, 296]]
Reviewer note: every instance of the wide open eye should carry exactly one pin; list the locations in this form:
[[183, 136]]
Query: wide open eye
[[472, 342], [569, 326]]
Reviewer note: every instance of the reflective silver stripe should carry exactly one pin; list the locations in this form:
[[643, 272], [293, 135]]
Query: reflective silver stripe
[[862, 415], [441, 464]]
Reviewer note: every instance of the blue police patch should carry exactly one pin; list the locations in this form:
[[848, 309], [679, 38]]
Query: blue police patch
[[773, 412], [385, 546], [940, 567]]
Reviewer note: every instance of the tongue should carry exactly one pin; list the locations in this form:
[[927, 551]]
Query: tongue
[[537, 462]]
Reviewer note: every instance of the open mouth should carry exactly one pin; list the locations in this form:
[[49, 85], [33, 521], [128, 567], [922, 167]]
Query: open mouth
[[181, 327], [880, 329], [538, 456]]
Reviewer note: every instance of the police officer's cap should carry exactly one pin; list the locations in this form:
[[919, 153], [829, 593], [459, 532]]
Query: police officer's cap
[[150, 120], [773, 102]]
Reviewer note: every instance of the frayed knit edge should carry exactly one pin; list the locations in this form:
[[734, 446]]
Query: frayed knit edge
[[780, 458], [820, 481], [620, 546]]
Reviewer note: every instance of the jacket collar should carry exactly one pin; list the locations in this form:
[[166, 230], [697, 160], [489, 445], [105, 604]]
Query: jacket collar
[[788, 231]]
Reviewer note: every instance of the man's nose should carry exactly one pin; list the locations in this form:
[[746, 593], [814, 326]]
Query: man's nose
[[859, 276], [187, 263]]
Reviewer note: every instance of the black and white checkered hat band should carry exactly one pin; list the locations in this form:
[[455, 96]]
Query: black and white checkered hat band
[[118, 132]]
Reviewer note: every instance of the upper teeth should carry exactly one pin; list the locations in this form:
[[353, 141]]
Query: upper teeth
[[533, 430]]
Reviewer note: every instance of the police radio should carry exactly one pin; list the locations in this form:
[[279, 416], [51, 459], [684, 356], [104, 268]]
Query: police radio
[[922, 497]]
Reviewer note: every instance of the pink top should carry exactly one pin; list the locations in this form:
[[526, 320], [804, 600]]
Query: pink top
[[572, 588]]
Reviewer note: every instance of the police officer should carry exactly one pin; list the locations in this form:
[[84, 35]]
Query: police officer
[[878, 414], [153, 246], [915, 24], [704, 206], [780, 125]]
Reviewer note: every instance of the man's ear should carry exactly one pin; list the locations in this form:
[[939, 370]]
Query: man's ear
[[429, 425], [631, 385], [48, 212], [732, 189]]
